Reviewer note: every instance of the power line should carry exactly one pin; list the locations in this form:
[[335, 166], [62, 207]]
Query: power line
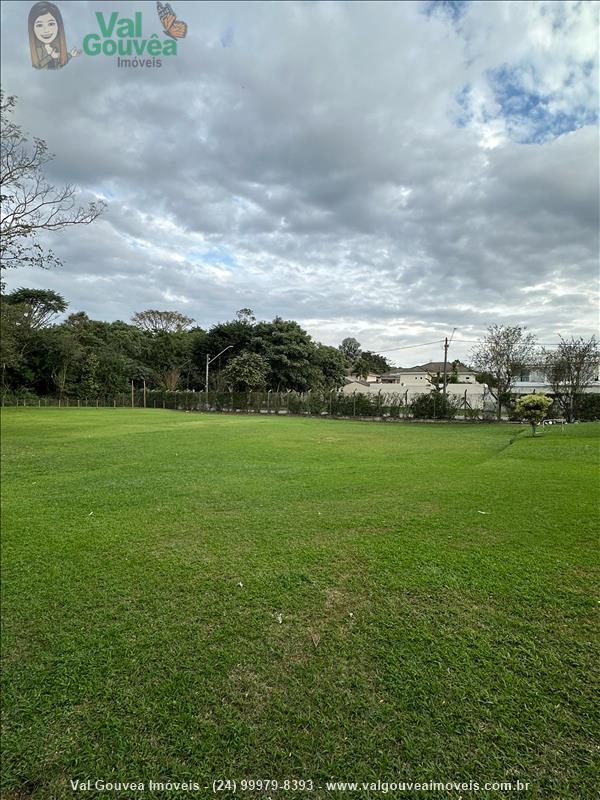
[[478, 341], [409, 346], [437, 341]]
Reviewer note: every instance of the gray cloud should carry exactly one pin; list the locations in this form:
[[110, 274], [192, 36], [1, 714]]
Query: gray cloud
[[314, 168]]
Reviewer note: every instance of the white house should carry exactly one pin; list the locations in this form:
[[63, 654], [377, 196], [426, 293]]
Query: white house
[[534, 380], [405, 383], [420, 374]]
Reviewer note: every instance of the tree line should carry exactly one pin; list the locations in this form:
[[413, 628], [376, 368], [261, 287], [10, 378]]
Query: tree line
[[83, 357], [165, 350]]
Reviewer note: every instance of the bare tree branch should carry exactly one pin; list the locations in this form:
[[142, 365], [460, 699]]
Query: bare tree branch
[[28, 203]]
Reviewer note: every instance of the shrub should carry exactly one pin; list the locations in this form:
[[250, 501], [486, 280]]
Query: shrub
[[534, 408], [434, 406], [587, 407]]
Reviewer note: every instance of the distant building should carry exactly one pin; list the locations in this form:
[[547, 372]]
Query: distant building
[[420, 374], [371, 377], [534, 380], [409, 382]]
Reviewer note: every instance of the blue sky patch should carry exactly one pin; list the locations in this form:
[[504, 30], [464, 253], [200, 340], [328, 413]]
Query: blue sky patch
[[528, 115], [227, 37], [454, 9], [217, 255], [464, 112]]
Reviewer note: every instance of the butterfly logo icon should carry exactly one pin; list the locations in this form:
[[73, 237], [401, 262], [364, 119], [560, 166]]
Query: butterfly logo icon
[[174, 27]]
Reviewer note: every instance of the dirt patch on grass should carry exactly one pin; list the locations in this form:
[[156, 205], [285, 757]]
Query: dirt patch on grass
[[429, 508], [249, 688]]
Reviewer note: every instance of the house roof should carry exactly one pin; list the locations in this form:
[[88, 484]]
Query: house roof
[[430, 368], [348, 381], [438, 366]]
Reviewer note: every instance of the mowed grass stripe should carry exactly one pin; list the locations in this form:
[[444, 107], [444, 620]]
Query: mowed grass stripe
[[454, 643]]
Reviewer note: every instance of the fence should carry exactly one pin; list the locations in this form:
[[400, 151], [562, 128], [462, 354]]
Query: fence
[[310, 403]]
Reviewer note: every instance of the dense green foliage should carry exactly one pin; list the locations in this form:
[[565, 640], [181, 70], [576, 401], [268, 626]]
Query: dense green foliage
[[82, 357], [450, 574], [361, 362], [587, 407], [246, 372], [369, 362], [434, 405]]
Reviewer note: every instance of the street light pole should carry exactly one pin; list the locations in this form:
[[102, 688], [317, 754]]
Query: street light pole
[[206, 380], [209, 361]]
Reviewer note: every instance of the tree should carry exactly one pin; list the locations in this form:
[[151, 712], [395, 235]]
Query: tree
[[350, 348], [29, 205], [502, 353], [289, 351], [25, 313], [371, 362], [39, 306], [11, 353], [246, 315], [453, 376], [437, 379], [330, 367], [534, 408], [246, 372], [61, 353], [90, 385], [233, 337], [122, 351], [154, 321], [569, 369], [167, 354]]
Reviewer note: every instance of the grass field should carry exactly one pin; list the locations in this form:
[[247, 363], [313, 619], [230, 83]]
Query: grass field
[[166, 576]]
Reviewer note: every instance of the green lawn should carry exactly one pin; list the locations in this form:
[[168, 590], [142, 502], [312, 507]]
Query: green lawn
[[147, 556]]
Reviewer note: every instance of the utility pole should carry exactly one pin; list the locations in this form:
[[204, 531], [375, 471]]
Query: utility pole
[[144, 392], [132, 394], [446, 345]]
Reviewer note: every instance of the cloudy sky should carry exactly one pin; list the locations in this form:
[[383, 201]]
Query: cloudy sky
[[388, 171]]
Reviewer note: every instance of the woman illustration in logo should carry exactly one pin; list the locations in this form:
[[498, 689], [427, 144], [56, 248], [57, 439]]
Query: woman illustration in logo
[[47, 37]]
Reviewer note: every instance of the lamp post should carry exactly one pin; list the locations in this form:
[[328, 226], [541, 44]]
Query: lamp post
[[209, 361]]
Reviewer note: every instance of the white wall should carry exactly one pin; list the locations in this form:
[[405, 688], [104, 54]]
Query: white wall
[[476, 394]]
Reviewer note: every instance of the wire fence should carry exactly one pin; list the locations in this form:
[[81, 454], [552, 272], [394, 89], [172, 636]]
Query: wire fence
[[335, 403]]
